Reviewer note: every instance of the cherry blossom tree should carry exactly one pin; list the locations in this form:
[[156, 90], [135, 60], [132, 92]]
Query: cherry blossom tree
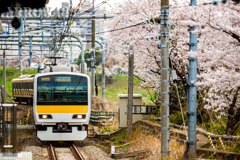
[[218, 49]]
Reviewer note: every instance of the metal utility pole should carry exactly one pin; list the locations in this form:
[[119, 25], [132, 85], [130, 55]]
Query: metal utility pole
[[164, 18], [71, 60], [30, 48], [93, 73], [192, 107], [4, 77], [192, 93], [20, 35], [93, 56], [130, 91], [103, 74]]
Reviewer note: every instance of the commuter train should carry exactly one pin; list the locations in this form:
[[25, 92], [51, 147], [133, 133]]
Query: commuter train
[[61, 102]]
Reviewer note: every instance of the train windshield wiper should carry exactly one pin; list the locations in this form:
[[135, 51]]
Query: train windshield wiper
[[76, 101], [69, 101], [61, 101]]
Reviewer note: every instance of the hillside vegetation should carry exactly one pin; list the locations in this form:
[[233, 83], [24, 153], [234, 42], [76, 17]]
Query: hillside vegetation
[[119, 85]]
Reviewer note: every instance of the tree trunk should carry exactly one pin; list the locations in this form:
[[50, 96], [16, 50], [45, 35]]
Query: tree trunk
[[233, 119]]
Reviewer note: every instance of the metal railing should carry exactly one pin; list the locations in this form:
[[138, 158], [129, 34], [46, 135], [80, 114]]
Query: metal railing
[[144, 109], [101, 117], [8, 118]]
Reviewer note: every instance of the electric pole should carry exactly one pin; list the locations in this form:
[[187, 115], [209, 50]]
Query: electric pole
[[192, 92], [93, 56], [130, 91], [164, 21], [4, 77]]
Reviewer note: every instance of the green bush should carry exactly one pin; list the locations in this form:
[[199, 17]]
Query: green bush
[[176, 118]]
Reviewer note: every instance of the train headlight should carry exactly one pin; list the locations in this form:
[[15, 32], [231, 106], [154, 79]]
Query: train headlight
[[45, 116], [79, 116]]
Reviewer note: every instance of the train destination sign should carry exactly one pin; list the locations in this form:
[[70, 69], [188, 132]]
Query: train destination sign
[[45, 79], [63, 79]]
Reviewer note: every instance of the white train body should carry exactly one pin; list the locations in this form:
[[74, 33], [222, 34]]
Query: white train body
[[61, 105]]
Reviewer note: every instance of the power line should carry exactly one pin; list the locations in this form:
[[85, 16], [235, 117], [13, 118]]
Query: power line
[[82, 13], [113, 30]]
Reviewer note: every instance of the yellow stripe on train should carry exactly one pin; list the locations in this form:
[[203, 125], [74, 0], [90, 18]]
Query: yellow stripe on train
[[62, 108]]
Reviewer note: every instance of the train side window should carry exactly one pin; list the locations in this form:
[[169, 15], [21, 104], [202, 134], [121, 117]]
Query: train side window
[[31, 85]]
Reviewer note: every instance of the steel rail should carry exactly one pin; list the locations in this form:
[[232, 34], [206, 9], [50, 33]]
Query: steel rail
[[77, 154], [51, 152]]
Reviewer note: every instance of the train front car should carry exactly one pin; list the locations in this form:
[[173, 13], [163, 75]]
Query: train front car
[[62, 106]]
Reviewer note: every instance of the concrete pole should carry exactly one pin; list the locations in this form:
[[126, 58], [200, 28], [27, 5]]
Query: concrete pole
[[192, 106], [30, 48], [71, 60], [4, 77], [24, 22], [164, 17], [103, 75], [103, 67], [93, 56], [67, 56], [130, 92], [93, 73], [192, 93], [20, 36]]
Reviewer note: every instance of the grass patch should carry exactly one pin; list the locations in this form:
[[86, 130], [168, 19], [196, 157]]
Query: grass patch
[[119, 85], [119, 137], [139, 140]]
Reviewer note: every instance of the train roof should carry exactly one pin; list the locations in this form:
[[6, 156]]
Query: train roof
[[27, 76], [24, 78], [59, 69]]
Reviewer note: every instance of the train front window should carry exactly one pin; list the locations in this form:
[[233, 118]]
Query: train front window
[[62, 88]]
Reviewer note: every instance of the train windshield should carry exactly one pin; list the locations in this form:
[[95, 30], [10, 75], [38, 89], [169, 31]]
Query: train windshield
[[65, 88]]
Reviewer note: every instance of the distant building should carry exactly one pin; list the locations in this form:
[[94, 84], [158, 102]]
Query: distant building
[[86, 30], [65, 5]]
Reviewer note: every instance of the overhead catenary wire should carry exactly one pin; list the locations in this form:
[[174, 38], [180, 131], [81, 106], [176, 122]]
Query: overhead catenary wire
[[66, 29], [113, 30], [61, 21]]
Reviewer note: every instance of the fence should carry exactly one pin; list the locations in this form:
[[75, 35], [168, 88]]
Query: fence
[[101, 117]]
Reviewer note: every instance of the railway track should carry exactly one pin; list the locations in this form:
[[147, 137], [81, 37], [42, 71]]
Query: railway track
[[51, 152], [53, 156]]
